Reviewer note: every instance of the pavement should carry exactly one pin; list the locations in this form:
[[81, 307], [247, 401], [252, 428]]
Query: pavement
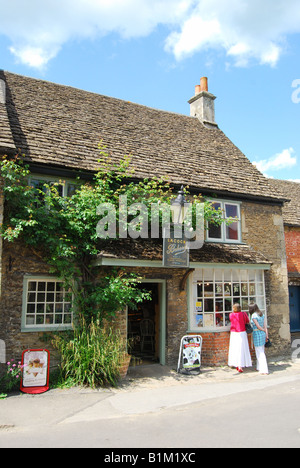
[[146, 389]]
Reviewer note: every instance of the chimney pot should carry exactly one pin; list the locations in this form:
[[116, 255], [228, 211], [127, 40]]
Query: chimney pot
[[204, 84], [197, 89]]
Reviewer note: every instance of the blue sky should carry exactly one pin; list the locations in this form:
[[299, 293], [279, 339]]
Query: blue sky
[[153, 52]]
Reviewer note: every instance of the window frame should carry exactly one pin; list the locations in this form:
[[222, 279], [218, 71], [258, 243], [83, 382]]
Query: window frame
[[223, 239], [44, 327], [61, 181], [214, 275]]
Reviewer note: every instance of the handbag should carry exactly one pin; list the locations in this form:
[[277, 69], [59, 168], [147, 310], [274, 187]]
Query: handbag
[[268, 344], [249, 329]]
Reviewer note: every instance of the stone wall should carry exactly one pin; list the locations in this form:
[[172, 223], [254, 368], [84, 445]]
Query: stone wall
[[262, 228], [17, 261]]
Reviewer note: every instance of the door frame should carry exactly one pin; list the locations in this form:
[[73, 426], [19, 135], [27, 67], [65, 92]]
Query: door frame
[[162, 295]]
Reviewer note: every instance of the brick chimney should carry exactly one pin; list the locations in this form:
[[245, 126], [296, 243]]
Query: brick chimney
[[202, 104]]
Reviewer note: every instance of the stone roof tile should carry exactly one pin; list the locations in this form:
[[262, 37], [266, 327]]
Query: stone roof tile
[[61, 126]]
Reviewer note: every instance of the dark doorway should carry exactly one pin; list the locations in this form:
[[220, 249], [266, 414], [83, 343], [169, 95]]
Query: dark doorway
[[295, 308], [143, 328]]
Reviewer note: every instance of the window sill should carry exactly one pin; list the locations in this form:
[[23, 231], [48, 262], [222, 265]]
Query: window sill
[[200, 331], [43, 329]]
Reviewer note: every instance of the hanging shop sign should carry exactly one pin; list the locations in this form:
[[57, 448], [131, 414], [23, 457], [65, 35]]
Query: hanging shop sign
[[36, 365], [175, 252], [190, 354]]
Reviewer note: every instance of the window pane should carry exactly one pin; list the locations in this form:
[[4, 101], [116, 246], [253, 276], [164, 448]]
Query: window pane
[[232, 232], [214, 231], [219, 305], [244, 287], [31, 297], [32, 286], [219, 289], [71, 189], [30, 320], [231, 211], [236, 290], [68, 319], [199, 320], [209, 305], [227, 289], [209, 320], [208, 289], [31, 309], [200, 290]]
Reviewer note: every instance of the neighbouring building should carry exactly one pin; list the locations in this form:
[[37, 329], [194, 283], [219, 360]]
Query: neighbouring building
[[291, 216], [58, 129]]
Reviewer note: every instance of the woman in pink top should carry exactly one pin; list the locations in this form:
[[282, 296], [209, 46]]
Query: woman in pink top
[[239, 352]]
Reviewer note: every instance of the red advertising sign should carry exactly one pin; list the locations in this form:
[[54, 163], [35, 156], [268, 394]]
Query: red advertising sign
[[36, 365]]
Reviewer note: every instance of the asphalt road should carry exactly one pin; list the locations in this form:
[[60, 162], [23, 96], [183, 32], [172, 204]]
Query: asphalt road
[[249, 413]]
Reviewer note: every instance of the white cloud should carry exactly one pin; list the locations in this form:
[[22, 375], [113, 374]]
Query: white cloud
[[283, 160], [246, 29]]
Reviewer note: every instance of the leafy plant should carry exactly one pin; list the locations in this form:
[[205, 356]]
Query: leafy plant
[[62, 231], [12, 376], [92, 356]]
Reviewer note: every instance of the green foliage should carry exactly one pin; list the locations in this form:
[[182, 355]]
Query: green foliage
[[63, 231], [92, 356], [11, 378]]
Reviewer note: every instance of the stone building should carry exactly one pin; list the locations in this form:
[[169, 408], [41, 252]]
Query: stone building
[[58, 129], [291, 217]]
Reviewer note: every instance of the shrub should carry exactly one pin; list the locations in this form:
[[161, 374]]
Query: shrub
[[92, 356], [10, 380]]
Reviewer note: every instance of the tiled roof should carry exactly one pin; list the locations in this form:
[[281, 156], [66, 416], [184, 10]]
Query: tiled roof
[[61, 126], [6, 138], [290, 191], [130, 249]]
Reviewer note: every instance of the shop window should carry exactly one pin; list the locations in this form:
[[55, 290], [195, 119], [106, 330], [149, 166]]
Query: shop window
[[214, 291], [226, 232], [47, 305]]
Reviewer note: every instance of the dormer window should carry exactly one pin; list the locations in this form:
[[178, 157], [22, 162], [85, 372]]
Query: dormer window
[[230, 231]]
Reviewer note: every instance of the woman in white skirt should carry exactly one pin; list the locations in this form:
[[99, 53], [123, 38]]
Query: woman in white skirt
[[239, 352], [260, 336]]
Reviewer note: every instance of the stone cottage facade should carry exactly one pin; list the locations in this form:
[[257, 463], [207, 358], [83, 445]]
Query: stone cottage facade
[[58, 129], [291, 217]]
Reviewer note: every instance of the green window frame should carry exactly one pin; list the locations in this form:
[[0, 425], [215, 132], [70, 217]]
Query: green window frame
[[46, 304]]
